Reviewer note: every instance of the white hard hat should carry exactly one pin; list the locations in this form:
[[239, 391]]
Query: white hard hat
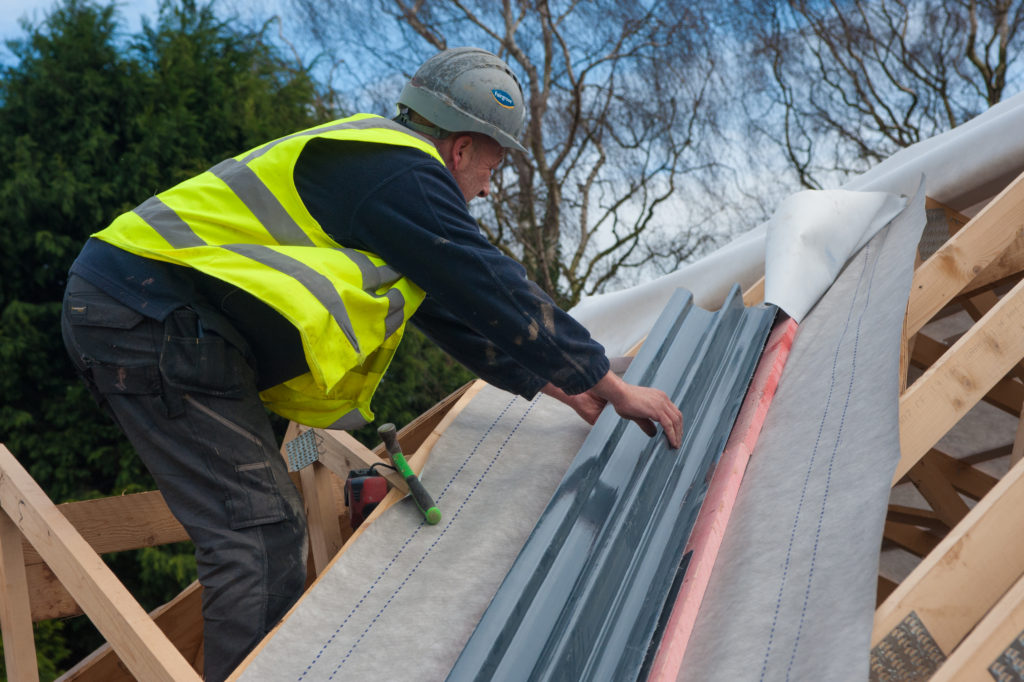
[[466, 89]]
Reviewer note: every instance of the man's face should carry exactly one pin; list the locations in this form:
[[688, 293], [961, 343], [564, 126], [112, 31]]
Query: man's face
[[474, 158]]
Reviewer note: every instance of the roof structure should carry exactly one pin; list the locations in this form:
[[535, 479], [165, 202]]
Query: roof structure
[[585, 596], [867, 446]]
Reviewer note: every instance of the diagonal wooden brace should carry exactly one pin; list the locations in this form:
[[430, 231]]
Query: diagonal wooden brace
[[339, 452]]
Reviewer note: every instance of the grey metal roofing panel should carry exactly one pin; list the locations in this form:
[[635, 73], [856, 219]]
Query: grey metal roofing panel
[[584, 598]]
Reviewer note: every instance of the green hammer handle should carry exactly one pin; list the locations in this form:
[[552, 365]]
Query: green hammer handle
[[419, 494]]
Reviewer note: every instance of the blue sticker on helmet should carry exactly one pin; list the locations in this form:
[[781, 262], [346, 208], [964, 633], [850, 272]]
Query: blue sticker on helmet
[[503, 98]]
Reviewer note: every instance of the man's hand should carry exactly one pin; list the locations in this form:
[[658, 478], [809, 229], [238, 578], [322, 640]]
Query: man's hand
[[586, 405], [645, 406]]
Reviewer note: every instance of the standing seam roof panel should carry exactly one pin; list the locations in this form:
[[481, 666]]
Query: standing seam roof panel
[[585, 596]]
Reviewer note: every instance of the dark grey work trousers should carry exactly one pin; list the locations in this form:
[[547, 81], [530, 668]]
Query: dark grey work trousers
[[188, 403]]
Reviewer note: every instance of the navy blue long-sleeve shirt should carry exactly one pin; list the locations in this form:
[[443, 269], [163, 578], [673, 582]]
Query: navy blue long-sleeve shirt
[[402, 205]]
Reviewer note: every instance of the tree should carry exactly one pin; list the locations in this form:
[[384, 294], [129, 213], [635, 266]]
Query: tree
[[849, 82], [90, 125], [618, 98]]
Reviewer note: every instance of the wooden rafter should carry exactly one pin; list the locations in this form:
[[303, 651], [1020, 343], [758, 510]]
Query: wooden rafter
[[141, 645], [935, 488], [15, 614], [954, 266], [1006, 394], [968, 371], [966, 573], [987, 642]]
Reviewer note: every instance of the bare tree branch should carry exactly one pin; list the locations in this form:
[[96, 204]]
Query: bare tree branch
[[614, 91], [851, 82]]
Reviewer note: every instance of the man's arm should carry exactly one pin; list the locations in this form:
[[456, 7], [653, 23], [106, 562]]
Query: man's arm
[[403, 206], [474, 351], [417, 221], [643, 405]]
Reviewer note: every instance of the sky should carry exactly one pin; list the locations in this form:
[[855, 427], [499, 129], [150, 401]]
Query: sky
[[34, 10], [131, 11]]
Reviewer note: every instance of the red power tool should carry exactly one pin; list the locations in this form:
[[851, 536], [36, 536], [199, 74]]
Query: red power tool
[[364, 489]]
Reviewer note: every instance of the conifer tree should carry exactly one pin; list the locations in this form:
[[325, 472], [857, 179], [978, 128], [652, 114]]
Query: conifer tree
[[92, 122]]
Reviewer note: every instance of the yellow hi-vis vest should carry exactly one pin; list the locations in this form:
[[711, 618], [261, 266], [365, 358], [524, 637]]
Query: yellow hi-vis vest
[[243, 222]]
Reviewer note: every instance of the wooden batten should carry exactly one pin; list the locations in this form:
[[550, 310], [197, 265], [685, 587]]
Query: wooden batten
[[180, 619], [139, 642], [15, 615], [321, 514]]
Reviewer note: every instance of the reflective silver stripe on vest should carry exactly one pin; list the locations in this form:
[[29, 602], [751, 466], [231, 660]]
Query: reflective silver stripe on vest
[[396, 314], [361, 124], [375, 277], [317, 284], [348, 421], [168, 224], [258, 198]]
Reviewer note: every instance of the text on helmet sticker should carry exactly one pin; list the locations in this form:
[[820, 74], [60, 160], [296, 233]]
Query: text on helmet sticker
[[503, 98]]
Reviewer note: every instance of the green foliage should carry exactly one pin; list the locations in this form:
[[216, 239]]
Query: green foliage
[[50, 649], [91, 124], [88, 129]]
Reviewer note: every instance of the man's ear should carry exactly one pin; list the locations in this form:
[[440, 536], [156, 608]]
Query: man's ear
[[460, 151]]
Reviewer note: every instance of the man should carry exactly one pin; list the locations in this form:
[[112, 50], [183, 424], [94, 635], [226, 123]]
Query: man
[[286, 276]]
